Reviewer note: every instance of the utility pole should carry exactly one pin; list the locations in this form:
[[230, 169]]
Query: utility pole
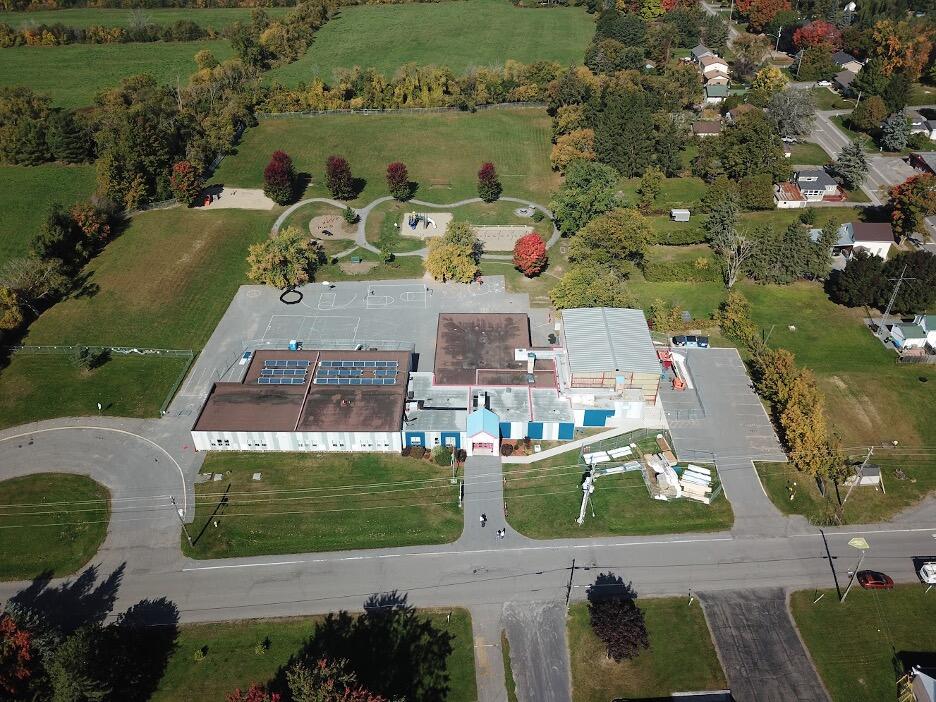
[[858, 477], [181, 520], [890, 303], [777, 47], [569, 586]]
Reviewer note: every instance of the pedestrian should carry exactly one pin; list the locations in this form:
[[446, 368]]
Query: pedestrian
[[483, 519]]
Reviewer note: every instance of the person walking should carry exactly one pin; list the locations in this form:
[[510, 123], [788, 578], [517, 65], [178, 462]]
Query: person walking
[[483, 519]]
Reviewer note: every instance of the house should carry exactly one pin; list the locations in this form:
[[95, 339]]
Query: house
[[716, 78], [919, 333], [846, 62], [706, 128], [817, 185], [924, 685], [700, 51], [924, 161], [844, 80], [710, 64], [715, 94], [679, 215], [874, 237], [787, 196]]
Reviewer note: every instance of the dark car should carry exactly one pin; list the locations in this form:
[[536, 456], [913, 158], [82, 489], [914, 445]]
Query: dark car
[[691, 342], [872, 580]]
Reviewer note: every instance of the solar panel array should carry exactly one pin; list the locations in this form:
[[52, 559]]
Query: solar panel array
[[266, 380], [283, 372], [355, 381], [286, 364], [359, 364]]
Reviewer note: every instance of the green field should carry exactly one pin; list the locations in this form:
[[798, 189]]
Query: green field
[[231, 658], [442, 151], [216, 18], [543, 501], [459, 35], [854, 645], [40, 534], [674, 192], [681, 656], [808, 154], [322, 502], [72, 75], [26, 195]]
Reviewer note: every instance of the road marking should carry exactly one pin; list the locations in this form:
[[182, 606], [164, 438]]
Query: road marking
[[242, 565], [870, 531], [119, 431]]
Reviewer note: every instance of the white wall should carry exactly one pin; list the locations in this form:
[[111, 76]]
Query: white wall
[[875, 248], [383, 442]]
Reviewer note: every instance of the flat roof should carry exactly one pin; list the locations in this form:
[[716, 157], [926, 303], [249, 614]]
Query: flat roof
[[608, 339], [251, 406], [475, 349], [869, 232]]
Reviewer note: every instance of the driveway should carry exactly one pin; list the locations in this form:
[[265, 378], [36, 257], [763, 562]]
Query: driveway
[[759, 648], [539, 655]]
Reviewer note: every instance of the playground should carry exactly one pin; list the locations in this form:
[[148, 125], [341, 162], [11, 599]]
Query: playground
[[331, 227], [423, 225]]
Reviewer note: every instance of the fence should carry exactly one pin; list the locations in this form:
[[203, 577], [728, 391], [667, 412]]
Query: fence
[[400, 110], [928, 359]]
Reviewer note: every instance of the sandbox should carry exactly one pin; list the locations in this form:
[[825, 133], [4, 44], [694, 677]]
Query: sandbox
[[331, 227]]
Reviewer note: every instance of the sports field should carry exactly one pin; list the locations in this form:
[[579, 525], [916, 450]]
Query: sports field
[[217, 18], [454, 34], [72, 75], [26, 195], [442, 151]]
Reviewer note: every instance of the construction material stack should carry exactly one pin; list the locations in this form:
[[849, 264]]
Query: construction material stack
[[696, 483]]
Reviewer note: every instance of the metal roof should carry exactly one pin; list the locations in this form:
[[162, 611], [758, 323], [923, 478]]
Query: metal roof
[[607, 339], [483, 421]]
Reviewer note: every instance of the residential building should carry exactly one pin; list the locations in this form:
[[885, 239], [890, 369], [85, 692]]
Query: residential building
[[788, 196], [924, 161], [843, 81], [847, 62], [735, 112], [716, 78], [706, 128], [715, 94], [713, 64], [919, 333], [817, 185], [874, 237], [699, 52]]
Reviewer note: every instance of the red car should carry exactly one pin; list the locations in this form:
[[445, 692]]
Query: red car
[[872, 580]]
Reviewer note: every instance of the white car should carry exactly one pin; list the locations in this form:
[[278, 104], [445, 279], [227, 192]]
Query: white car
[[824, 84], [928, 573]]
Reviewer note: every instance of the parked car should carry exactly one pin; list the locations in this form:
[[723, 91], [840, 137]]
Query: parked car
[[872, 580], [824, 84], [691, 342]]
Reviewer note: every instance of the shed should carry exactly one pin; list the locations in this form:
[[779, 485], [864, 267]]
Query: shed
[[679, 215], [483, 433], [870, 475]]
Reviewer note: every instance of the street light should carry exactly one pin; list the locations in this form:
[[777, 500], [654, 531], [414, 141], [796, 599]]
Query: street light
[[862, 545]]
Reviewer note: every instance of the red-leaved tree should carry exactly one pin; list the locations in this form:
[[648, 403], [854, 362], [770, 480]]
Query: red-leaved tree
[[255, 693], [489, 187], [398, 181], [93, 221], [911, 202], [186, 183], [670, 5], [818, 33], [338, 178], [529, 255], [761, 12], [15, 656], [328, 681], [279, 178]]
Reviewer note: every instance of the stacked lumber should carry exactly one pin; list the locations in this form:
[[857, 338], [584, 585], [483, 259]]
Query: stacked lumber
[[665, 450], [696, 483]]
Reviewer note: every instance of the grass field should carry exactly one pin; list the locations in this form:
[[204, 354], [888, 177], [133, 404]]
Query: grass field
[[323, 502], [674, 192], [858, 661], [442, 151], [72, 75], [26, 195], [509, 681], [216, 18], [681, 656], [63, 547], [459, 35], [544, 498], [231, 659], [808, 154], [830, 100]]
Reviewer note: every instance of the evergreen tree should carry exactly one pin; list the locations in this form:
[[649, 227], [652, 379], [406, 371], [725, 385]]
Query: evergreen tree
[[31, 147], [897, 93], [624, 132], [72, 669], [851, 165], [860, 283], [919, 294], [67, 140], [895, 132]]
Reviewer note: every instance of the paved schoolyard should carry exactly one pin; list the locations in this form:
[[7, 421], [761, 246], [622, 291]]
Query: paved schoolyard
[[759, 648], [397, 314]]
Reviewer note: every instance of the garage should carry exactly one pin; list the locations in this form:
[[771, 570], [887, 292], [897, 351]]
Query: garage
[[483, 433], [482, 448]]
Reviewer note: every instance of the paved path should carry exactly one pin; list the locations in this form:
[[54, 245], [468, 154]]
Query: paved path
[[539, 653], [759, 647]]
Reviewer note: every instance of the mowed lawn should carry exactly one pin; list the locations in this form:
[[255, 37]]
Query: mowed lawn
[[681, 656], [51, 523], [443, 152], [215, 18], [459, 35], [321, 502], [73, 74], [231, 659], [26, 195], [543, 501], [854, 644]]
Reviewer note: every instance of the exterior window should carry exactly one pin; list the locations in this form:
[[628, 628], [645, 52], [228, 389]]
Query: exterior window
[[227, 442], [436, 440]]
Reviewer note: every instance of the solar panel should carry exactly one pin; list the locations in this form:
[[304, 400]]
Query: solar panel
[[389, 381]]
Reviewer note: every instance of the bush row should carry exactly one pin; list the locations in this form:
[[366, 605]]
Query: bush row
[[700, 270], [681, 237], [58, 34]]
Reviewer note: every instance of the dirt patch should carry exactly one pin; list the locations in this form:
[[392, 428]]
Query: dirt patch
[[501, 237], [331, 227], [358, 268], [222, 198]]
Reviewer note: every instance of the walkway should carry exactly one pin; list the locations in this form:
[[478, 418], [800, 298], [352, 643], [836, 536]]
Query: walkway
[[363, 213]]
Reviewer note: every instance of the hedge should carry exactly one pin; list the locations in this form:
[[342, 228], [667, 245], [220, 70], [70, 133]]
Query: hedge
[[681, 271]]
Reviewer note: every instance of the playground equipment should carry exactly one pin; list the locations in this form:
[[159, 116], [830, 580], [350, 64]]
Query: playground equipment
[[414, 218]]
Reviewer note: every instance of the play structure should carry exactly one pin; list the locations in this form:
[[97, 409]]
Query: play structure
[[424, 225], [413, 219]]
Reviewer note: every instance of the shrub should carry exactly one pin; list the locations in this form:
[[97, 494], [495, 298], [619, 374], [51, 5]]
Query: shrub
[[279, 179], [529, 255], [461, 455], [406, 451], [338, 178], [699, 270], [442, 455], [506, 449], [693, 234], [538, 216], [186, 183], [350, 216], [489, 187], [417, 451], [619, 623]]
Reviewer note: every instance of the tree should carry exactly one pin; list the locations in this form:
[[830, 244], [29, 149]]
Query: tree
[[59, 238], [897, 93], [16, 665], [792, 112], [255, 693], [779, 256], [462, 234], [723, 203], [750, 51], [93, 220], [398, 181], [11, 310], [591, 286], [489, 186], [860, 283], [529, 255], [73, 670], [588, 191], [651, 9], [750, 146], [818, 33], [67, 140], [651, 182], [762, 13], [577, 145], [734, 249], [816, 63], [31, 147], [186, 183], [612, 239], [869, 114], [871, 79], [902, 45], [624, 131], [895, 132], [448, 261], [327, 681], [279, 179], [756, 192], [287, 260], [767, 82], [734, 318], [805, 430], [851, 165], [619, 623], [34, 280], [917, 295], [911, 202], [338, 178], [204, 59]]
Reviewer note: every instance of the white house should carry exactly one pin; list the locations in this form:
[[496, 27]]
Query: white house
[[846, 61], [816, 184], [876, 238], [917, 334], [483, 433], [712, 64]]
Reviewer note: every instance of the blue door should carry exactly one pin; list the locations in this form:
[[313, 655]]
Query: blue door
[[535, 430], [566, 431], [452, 437], [596, 418], [505, 430], [415, 438]]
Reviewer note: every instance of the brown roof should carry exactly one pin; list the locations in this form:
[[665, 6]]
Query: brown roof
[[472, 346], [789, 192], [250, 406], [707, 127], [872, 231], [711, 60]]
